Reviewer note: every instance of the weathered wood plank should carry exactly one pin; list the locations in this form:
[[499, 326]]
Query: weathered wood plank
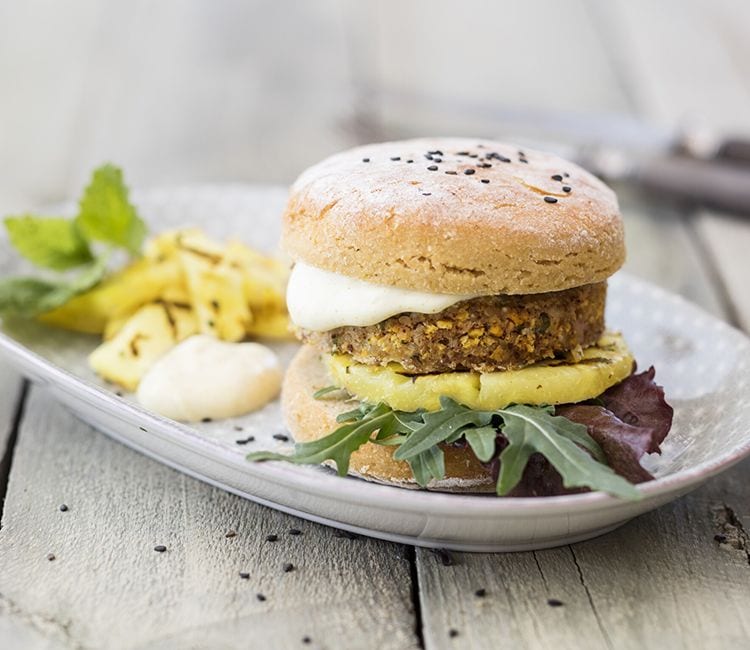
[[107, 587]]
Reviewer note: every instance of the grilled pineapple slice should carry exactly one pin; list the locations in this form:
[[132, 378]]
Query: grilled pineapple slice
[[119, 295], [550, 382], [215, 287], [146, 336]]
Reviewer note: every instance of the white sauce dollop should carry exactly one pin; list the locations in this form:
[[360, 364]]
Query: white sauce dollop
[[320, 300], [203, 377]]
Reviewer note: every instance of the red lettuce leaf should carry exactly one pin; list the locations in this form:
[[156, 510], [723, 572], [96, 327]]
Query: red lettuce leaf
[[628, 421]]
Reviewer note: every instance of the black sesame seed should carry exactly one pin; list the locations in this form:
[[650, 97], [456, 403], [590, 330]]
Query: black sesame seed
[[365, 160], [206, 420], [272, 537], [395, 157], [521, 153], [238, 428], [143, 429], [484, 165], [160, 548], [504, 159], [428, 156], [453, 633], [553, 602], [244, 575], [244, 441], [281, 436], [118, 393], [480, 593], [426, 193], [432, 168], [295, 531], [462, 153], [566, 174], [485, 180], [63, 507], [523, 160], [445, 557], [230, 534], [550, 199], [410, 160], [437, 160], [344, 534], [473, 155], [260, 597], [556, 177], [451, 172], [469, 172], [288, 567], [722, 539], [306, 639], [50, 556], [436, 152], [566, 188]]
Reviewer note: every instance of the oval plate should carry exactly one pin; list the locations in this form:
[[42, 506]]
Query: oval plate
[[703, 364]]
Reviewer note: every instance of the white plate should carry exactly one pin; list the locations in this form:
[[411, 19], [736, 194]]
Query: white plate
[[703, 363]]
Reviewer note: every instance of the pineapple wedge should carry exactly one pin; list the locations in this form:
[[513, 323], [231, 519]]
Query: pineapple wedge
[[215, 288], [118, 296], [147, 335]]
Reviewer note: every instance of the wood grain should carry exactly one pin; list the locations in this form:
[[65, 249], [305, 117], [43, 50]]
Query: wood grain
[[107, 587]]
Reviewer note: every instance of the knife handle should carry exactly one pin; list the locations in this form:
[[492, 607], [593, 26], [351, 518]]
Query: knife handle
[[734, 149], [710, 183]]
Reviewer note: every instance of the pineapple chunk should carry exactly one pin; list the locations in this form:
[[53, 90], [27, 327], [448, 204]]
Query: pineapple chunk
[[270, 324], [215, 288], [549, 382], [144, 338], [119, 295], [264, 278]]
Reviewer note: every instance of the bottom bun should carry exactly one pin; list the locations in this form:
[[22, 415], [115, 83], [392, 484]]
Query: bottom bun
[[310, 419]]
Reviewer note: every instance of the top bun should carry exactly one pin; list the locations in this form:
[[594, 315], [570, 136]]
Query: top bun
[[421, 214]]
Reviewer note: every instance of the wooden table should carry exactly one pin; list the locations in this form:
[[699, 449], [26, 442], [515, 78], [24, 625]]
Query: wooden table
[[238, 90]]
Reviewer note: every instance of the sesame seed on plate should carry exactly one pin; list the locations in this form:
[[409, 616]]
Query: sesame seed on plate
[[550, 199]]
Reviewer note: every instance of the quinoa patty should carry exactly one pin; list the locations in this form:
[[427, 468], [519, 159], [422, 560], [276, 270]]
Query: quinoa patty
[[483, 334]]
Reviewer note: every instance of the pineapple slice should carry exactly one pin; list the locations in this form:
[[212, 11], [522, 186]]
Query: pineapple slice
[[120, 295], [549, 382], [144, 338], [215, 287]]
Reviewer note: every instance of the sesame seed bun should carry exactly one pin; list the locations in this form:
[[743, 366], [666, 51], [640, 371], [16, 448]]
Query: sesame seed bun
[[310, 419], [472, 217]]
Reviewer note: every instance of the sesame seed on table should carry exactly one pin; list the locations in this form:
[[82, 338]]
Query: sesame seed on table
[[83, 517]]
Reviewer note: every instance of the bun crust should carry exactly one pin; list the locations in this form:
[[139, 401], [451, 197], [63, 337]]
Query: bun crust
[[310, 419], [403, 224]]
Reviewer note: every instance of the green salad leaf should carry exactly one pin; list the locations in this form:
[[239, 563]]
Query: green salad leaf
[[418, 437], [65, 245]]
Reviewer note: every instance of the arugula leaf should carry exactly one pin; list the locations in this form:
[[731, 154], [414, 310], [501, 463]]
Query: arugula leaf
[[428, 465], [337, 446], [441, 425], [106, 214], [28, 296], [482, 442], [530, 430], [566, 445], [54, 243], [318, 394]]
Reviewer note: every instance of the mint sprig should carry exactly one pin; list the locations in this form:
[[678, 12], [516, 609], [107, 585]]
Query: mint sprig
[[418, 436], [65, 245]]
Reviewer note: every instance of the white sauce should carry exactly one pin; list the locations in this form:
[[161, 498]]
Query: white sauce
[[320, 300], [203, 377]]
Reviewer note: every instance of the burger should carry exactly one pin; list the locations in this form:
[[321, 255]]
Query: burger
[[450, 297]]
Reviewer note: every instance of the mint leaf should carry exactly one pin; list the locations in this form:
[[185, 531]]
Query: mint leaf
[[31, 296], [53, 243], [106, 214], [530, 430]]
